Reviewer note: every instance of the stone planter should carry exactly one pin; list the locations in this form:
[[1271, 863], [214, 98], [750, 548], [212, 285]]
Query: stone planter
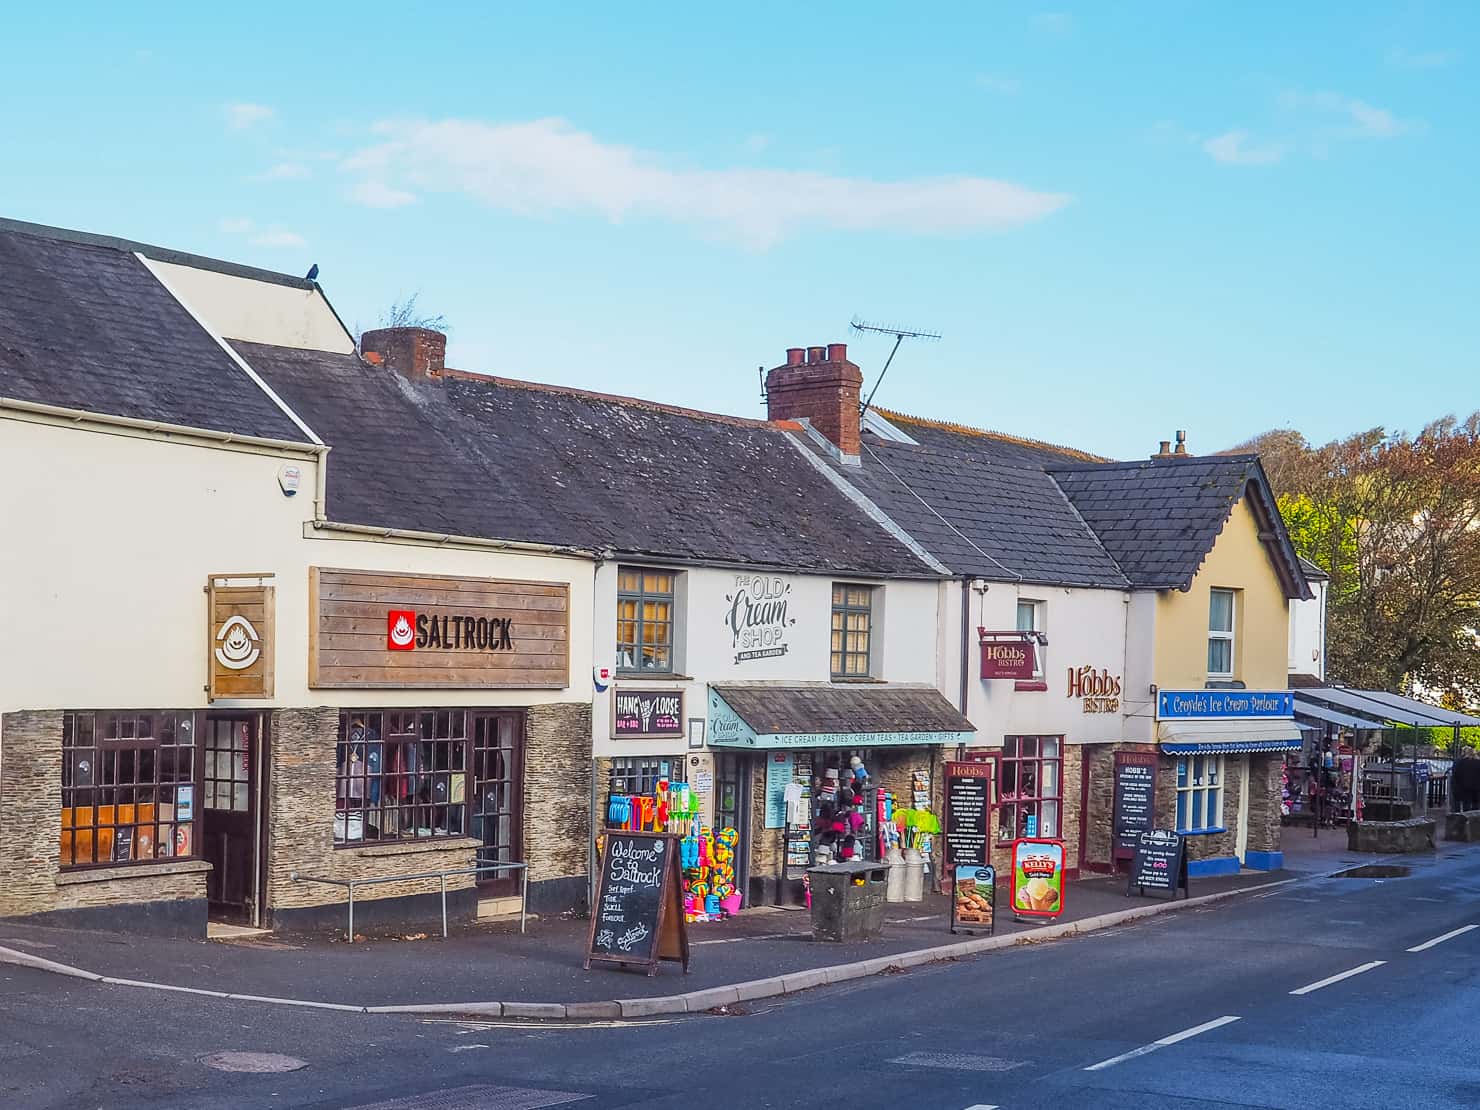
[[1391, 837]]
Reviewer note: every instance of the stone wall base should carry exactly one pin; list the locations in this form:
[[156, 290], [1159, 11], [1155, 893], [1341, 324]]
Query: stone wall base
[[175, 919], [1462, 826]]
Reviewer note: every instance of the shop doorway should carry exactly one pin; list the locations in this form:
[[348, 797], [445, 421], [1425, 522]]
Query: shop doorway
[[232, 816], [732, 808], [498, 797]]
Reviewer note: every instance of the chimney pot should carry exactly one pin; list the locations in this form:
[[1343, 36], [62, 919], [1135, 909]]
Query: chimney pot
[[1181, 442], [837, 352], [816, 354], [795, 355]]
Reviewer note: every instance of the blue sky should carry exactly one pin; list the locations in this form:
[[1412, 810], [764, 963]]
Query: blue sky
[[1124, 218]]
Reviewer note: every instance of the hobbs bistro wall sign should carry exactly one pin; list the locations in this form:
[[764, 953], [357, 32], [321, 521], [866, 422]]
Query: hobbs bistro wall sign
[[239, 644], [1007, 655], [758, 616], [1099, 690], [379, 629], [647, 714]]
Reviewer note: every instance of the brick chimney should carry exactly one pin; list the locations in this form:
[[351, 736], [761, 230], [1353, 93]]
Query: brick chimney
[[416, 353], [820, 385]]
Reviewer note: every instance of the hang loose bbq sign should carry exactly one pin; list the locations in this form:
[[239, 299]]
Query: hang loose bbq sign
[[381, 629]]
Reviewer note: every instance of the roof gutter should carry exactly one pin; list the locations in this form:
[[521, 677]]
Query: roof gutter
[[441, 539]]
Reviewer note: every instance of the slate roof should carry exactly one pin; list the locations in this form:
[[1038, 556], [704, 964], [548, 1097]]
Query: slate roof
[[84, 325], [819, 707], [1159, 518], [474, 456], [996, 446], [981, 516]]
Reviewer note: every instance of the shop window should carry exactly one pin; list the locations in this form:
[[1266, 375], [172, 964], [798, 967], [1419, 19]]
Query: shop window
[[1200, 793], [641, 774], [1030, 787], [1030, 619], [128, 787], [400, 775], [1220, 634], [852, 629], [645, 612]]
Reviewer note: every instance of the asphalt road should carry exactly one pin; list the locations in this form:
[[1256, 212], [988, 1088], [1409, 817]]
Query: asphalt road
[[1239, 992]]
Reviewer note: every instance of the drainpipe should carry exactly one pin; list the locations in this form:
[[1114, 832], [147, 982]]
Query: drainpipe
[[965, 653]]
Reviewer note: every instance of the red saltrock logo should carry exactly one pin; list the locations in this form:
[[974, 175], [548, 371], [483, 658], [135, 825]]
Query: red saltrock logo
[[400, 630]]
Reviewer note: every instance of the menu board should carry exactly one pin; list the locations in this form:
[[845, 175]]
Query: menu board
[[780, 773], [1135, 799], [968, 800], [638, 918], [1160, 864]]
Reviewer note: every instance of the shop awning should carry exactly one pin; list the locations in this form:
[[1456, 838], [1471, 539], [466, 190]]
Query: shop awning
[[763, 716], [1381, 705], [1211, 737], [1305, 707]]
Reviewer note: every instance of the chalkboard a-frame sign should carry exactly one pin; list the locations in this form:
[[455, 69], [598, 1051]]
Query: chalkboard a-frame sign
[[1159, 865], [638, 916]]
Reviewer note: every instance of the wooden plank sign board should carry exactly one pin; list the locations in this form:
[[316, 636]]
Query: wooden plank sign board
[[239, 638], [381, 629], [638, 917], [1160, 864]]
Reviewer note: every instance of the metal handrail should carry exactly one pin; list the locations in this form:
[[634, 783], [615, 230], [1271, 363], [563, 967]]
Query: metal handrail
[[350, 885]]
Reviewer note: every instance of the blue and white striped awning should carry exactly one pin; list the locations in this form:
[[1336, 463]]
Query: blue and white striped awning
[[1228, 737]]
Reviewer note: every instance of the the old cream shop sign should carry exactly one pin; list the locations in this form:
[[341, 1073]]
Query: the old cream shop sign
[[758, 616], [239, 644], [1097, 690], [378, 629]]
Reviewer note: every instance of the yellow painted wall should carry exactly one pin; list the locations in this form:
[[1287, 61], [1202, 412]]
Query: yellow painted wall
[[1239, 562]]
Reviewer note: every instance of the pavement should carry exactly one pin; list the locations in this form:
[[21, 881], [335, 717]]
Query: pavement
[[496, 969], [1321, 993]]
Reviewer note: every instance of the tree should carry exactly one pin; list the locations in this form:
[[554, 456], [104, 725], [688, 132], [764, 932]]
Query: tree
[[1395, 520]]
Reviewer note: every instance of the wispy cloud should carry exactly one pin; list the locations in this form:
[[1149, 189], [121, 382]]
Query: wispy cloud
[[285, 171], [267, 237], [1399, 58], [277, 237], [377, 194], [1233, 148], [241, 115], [547, 166], [1053, 23], [1365, 120], [1008, 85], [756, 143]]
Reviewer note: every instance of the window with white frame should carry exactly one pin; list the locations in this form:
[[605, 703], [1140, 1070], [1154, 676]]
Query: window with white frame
[[1220, 634], [1030, 619], [1200, 793]]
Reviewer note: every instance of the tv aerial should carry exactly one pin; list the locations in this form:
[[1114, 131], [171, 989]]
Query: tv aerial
[[900, 335]]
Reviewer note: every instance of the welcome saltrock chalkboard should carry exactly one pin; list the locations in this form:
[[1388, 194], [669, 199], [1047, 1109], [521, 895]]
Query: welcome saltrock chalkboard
[[1159, 865], [638, 916]]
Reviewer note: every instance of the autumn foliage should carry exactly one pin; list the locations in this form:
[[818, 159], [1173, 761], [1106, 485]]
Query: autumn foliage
[[1395, 520]]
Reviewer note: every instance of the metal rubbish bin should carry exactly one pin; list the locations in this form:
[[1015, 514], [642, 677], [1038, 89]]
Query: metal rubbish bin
[[848, 901]]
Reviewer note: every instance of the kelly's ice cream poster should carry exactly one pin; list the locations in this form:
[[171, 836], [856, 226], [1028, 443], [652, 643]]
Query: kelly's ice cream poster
[[1038, 877]]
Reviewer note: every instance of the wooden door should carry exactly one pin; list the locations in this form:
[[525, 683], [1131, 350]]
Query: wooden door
[[229, 816], [498, 796]]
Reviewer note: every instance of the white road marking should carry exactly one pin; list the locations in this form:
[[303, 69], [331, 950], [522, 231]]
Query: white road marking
[[467, 1047], [1309, 987], [1426, 945], [1216, 1023], [983, 1106]]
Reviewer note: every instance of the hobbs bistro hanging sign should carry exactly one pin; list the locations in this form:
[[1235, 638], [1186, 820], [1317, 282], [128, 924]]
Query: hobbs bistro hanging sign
[[379, 629]]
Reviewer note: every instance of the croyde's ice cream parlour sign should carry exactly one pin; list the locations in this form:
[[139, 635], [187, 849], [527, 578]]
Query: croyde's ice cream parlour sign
[[1200, 704]]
